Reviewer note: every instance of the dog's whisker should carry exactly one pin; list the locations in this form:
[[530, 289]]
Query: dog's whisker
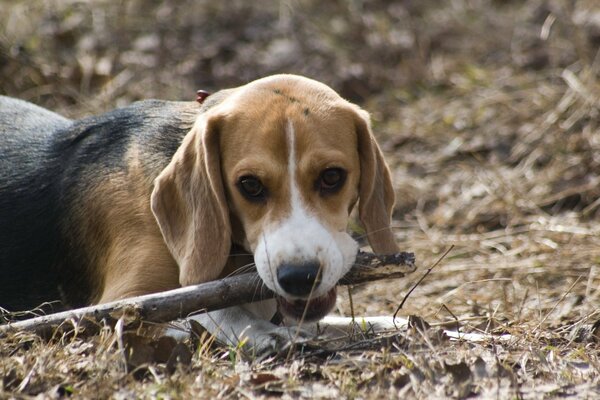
[[269, 260], [257, 283], [255, 288], [263, 288], [243, 269], [365, 235]]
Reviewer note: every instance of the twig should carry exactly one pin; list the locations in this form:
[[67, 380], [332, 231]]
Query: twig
[[455, 319], [421, 280], [557, 303], [209, 296], [351, 301]]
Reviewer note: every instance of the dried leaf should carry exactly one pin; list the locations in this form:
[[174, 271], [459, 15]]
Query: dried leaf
[[401, 381], [164, 348], [263, 379], [479, 368], [181, 354], [418, 323], [460, 372], [196, 328], [137, 350], [596, 331], [129, 315]]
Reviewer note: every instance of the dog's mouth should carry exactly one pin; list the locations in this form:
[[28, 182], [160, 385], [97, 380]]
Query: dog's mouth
[[311, 309]]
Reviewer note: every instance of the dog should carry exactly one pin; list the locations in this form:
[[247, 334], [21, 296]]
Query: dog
[[159, 194]]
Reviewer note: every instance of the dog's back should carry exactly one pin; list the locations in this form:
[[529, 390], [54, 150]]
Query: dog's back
[[26, 210], [47, 166]]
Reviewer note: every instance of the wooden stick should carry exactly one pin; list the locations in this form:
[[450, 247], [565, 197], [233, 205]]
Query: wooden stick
[[209, 296]]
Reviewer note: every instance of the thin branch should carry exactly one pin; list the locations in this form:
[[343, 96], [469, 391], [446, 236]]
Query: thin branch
[[421, 280], [209, 296]]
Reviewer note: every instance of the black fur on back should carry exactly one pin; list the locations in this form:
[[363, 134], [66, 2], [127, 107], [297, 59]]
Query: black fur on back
[[46, 162]]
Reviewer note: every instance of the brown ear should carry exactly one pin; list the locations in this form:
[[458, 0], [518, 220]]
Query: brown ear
[[376, 194], [188, 202]]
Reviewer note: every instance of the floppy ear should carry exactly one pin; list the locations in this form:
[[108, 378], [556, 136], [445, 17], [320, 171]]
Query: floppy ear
[[188, 202], [376, 194]]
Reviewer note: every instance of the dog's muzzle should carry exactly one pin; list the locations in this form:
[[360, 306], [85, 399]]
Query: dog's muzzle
[[300, 280], [310, 310]]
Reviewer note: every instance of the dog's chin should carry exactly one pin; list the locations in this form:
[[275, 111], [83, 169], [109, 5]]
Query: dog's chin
[[308, 310]]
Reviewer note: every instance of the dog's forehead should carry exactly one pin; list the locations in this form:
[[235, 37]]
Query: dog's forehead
[[295, 87], [261, 115], [259, 119], [267, 137], [280, 92]]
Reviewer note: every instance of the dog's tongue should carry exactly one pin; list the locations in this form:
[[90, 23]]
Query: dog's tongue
[[316, 308]]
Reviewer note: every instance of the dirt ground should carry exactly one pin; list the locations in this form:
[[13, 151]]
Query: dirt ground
[[488, 112]]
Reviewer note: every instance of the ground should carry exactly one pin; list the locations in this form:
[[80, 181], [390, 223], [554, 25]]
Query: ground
[[487, 111]]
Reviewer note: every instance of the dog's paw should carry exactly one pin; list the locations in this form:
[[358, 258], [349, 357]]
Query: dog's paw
[[278, 340]]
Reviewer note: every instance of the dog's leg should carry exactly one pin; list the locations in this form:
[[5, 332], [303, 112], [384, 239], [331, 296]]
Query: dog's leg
[[249, 325]]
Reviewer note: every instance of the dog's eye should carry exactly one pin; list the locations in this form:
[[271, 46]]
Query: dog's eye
[[331, 180], [252, 188]]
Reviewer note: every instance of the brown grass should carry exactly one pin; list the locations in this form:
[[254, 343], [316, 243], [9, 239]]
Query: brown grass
[[488, 113]]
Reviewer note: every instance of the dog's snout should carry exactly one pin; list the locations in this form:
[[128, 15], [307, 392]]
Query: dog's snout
[[299, 279]]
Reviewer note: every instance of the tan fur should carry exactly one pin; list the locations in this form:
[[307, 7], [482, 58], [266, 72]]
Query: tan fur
[[376, 190], [189, 204], [182, 231], [126, 244], [330, 132]]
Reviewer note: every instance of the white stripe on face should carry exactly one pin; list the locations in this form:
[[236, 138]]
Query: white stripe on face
[[295, 200], [301, 238]]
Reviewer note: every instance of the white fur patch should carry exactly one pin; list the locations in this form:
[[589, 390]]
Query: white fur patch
[[302, 238]]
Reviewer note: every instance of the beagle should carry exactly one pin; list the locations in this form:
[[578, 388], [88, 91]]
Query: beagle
[[161, 194]]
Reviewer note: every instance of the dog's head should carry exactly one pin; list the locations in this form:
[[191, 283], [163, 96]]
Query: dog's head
[[276, 167]]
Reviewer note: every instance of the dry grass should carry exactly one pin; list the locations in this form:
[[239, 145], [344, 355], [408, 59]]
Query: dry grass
[[488, 113]]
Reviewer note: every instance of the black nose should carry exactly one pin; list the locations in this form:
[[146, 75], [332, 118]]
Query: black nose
[[299, 279]]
